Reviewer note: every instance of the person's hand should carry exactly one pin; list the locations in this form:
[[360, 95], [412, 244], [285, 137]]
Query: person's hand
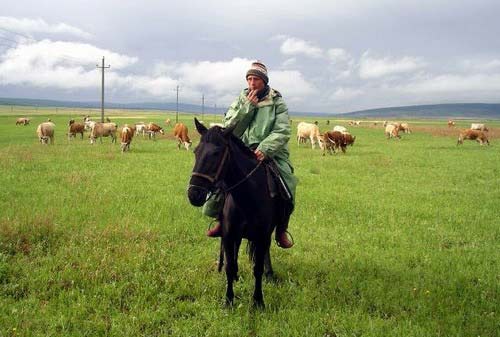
[[259, 154], [252, 97]]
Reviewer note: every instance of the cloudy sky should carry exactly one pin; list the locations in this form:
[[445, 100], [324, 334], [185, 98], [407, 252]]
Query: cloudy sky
[[324, 56]]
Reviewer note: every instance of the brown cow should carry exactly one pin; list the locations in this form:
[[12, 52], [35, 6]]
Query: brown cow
[[333, 140], [392, 131], [451, 123], [127, 133], [22, 121], [181, 133], [168, 122], [74, 128], [100, 130], [476, 135], [152, 129], [349, 139]]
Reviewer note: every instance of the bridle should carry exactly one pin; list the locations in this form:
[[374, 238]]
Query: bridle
[[214, 179]]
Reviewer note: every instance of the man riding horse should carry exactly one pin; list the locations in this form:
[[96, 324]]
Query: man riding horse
[[260, 119]]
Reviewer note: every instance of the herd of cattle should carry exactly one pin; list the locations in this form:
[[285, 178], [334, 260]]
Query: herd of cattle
[[333, 140], [45, 131]]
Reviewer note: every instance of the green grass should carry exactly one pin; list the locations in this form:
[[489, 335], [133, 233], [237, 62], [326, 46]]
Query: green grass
[[395, 238]]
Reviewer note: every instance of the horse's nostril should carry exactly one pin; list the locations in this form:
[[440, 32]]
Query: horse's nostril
[[196, 197]]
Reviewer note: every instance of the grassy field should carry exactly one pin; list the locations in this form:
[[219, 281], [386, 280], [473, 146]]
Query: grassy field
[[394, 238]]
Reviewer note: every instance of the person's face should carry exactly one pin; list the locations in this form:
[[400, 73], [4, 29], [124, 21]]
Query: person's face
[[255, 83]]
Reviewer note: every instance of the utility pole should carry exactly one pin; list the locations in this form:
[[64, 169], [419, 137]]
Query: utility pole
[[102, 88], [202, 105]]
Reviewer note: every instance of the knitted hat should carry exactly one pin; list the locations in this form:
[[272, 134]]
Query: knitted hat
[[258, 69]]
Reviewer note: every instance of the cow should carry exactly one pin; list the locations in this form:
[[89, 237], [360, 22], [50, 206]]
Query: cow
[[168, 122], [74, 128], [181, 134], [23, 121], [89, 124], [333, 140], [404, 127], [477, 126], [126, 135], [45, 131], [451, 123], [392, 131], [308, 130], [100, 130], [348, 138], [476, 135], [340, 129], [141, 128], [153, 129]]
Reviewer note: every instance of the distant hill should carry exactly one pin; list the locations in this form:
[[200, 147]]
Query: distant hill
[[110, 105], [458, 110]]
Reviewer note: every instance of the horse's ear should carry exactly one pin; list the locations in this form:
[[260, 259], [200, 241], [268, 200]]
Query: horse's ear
[[199, 127], [229, 130]]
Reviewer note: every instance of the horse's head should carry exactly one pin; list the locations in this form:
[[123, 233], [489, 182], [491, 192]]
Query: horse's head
[[211, 156]]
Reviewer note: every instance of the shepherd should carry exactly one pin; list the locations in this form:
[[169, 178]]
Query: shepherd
[[259, 117]]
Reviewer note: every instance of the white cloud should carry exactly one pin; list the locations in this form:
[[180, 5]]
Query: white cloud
[[371, 67], [289, 62], [30, 26], [342, 94], [295, 46], [292, 85], [453, 84]]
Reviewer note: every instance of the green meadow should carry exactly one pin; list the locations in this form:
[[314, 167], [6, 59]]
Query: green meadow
[[393, 238]]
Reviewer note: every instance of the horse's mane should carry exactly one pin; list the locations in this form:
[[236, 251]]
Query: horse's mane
[[214, 135]]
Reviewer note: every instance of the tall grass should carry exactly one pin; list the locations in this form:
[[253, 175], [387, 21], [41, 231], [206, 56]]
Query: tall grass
[[394, 238]]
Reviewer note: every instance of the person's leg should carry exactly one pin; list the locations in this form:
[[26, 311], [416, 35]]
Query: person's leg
[[212, 208]]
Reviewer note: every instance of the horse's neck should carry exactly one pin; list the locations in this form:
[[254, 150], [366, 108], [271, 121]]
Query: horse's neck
[[240, 166]]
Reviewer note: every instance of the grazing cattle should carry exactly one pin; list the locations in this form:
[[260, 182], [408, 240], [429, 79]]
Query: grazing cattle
[[392, 131], [333, 140], [100, 130], [476, 135], [23, 121], [385, 124], [45, 131], [74, 128], [349, 139], [308, 130], [89, 124], [404, 127], [477, 126], [327, 122], [340, 129], [181, 134], [126, 136], [355, 123], [141, 128], [168, 122], [451, 123], [153, 129]]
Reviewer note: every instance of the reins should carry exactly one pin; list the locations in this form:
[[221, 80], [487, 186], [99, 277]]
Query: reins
[[215, 178]]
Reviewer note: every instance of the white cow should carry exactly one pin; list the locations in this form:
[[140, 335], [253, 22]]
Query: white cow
[[45, 131], [340, 129], [308, 130], [477, 126]]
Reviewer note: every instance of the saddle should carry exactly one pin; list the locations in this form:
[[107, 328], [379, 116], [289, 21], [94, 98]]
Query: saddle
[[275, 183]]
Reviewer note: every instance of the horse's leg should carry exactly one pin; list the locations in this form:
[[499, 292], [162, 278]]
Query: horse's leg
[[258, 270], [221, 257], [230, 270], [268, 267]]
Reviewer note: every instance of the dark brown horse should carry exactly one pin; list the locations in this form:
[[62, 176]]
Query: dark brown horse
[[224, 163]]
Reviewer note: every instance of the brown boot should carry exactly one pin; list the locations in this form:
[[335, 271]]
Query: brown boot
[[283, 241], [215, 231]]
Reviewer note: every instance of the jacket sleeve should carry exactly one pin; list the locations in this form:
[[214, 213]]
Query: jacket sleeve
[[280, 133], [241, 113]]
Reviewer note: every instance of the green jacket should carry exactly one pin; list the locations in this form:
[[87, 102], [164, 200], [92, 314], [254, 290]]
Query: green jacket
[[267, 125]]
